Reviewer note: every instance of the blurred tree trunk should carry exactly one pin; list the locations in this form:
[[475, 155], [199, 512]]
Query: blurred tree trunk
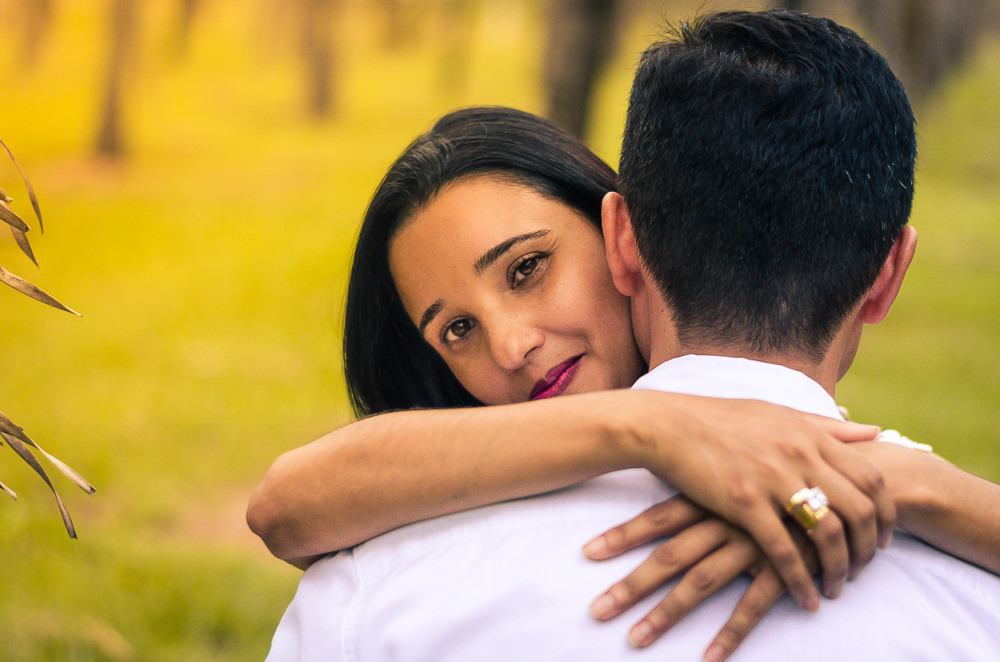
[[580, 41], [37, 21], [318, 54], [110, 135], [401, 23], [456, 24], [924, 40], [185, 20]]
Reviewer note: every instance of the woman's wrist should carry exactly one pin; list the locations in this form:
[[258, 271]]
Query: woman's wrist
[[644, 428], [916, 480]]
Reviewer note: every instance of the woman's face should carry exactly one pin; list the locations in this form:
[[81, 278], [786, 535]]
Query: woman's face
[[513, 290]]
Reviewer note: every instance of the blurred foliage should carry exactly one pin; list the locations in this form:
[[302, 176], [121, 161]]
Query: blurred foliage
[[211, 261]]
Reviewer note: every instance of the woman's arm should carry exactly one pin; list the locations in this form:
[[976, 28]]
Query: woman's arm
[[740, 458], [385, 471], [941, 504]]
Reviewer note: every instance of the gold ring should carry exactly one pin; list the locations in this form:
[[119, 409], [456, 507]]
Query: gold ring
[[808, 506]]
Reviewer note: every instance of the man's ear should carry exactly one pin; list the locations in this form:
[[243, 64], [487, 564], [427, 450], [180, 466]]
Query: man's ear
[[619, 244], [883, 293]]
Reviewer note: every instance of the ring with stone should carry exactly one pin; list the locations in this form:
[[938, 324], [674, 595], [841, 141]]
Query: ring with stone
[[808, 506]]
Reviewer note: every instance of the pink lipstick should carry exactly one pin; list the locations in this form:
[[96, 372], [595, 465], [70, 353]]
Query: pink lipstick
[[556, 380]]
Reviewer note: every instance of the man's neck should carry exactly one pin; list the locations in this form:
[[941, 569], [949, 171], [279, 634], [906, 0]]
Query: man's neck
[[823, 373], [662, 342]]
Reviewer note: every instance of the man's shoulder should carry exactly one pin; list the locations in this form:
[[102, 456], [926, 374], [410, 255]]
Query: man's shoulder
[[590, 506]]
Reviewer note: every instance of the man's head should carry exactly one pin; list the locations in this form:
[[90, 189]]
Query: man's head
[[767, 167]]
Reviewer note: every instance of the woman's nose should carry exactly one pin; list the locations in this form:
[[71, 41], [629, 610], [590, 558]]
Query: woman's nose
[[511, 343]]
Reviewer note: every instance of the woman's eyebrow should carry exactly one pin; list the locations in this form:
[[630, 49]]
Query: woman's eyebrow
[[491, 256], [430, 314]]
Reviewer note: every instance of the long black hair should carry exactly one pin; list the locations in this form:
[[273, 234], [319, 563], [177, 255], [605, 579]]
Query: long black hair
[[387, 364]]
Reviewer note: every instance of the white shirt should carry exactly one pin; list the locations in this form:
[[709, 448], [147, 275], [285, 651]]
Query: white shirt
[[509, 582]]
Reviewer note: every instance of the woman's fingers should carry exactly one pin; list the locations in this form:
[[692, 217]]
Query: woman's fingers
[[846, 431], [780, 550], [832, 550], [668, 560], [698, 583], [854, 514], [873, 505], [861, 512], [861, 516], [664, 519], [765, 589]]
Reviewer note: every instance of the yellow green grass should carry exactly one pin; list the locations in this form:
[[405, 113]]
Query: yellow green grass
[[210, 268]]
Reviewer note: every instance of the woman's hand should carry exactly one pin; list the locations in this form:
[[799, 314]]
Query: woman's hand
[[709, 552], [745, 459]]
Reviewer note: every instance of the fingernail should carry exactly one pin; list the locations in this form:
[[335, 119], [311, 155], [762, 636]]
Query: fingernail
[[884, 545], [640, 634], [602, 606], [811, 602], [833, 591], [595, 547], [715, 653]]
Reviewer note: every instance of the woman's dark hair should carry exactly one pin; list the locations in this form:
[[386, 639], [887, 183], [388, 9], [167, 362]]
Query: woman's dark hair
[[387, 364]]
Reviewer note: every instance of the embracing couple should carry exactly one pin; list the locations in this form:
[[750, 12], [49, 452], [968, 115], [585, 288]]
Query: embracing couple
[[759, 222]]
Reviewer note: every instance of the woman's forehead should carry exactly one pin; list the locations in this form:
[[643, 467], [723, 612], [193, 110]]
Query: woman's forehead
[[481, 212]]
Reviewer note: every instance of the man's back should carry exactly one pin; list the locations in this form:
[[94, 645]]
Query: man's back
[[509, 580]]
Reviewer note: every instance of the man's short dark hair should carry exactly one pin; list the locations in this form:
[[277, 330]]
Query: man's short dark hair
[[767, 165]]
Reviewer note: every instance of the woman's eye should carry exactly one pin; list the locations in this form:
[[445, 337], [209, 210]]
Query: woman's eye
[[525, 269], [456, 330]]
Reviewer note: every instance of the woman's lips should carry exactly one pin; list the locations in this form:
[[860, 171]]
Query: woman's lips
[[556, 380]]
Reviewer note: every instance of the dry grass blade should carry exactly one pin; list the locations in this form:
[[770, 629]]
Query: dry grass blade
[[5, 197], [26, 288], [10, 218], [21, 449], [22, 243], [18, 228], [27, 184], [12, 493], [10, 428], [65, 469]]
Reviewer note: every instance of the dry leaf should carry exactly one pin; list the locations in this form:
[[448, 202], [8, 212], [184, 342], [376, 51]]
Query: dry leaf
[[10, 428], [10, 218], [21, 449], [22, 243], [65, 469], [27, 184], [26, 288]]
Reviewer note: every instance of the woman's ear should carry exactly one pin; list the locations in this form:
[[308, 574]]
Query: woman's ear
[[883, 293], [619, 244]]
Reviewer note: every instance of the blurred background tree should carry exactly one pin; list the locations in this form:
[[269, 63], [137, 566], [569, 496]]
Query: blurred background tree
[[208, 242], [924, 40]]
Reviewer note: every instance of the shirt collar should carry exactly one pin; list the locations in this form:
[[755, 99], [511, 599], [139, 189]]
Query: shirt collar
[[739, 378]]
